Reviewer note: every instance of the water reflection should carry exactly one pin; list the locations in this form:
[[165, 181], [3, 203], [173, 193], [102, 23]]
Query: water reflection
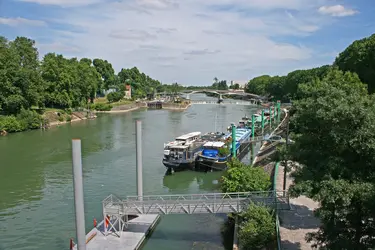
[[188, 180]]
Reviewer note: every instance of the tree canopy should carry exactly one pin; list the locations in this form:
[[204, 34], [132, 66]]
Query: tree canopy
[[334, 150], [257, 227], [359, 57], [242, 178]]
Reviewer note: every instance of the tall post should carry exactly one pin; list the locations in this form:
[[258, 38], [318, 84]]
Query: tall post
[[234, 151], [78, 194], [274, 112], [253, 126], [270, 117], [286, 163], [138, 134], [262, 121], [278, 111]]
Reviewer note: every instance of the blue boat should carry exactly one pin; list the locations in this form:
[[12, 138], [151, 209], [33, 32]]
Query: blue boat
[[215, 154]]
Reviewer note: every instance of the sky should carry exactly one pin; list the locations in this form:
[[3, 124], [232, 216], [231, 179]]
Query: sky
[[193, 41]]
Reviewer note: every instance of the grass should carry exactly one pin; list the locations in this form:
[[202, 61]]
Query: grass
[[114, 104]]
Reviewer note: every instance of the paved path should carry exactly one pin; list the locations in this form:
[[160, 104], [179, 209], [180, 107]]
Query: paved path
[[295, 224]]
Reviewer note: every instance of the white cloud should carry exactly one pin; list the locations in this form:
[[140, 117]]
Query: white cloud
[[57, 47], [189, 41], [63, 3], [18, 21], [337, 10]]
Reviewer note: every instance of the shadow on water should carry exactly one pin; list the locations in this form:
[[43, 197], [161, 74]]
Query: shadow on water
[[208, 182], [201, 231]]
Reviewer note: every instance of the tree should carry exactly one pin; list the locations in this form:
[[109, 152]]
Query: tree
[[258, 85], [105, 69], [20, 82], [336, 154], [257, 227], [359, 57], [242, 178]]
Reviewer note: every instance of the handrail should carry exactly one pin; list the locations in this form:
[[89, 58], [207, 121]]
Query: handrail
[[277, 222]]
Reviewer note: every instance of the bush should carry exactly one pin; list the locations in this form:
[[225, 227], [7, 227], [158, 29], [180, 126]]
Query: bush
[[257, 227], [242, 178], [29, 119], [10, 124], [61, 118], [69, 118], [115, 96], [101, 107]]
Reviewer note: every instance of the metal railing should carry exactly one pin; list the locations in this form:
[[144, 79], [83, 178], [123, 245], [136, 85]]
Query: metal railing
[[193, 203], [277, 221]]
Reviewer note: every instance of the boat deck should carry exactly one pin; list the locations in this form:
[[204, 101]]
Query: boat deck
[[131, 239]]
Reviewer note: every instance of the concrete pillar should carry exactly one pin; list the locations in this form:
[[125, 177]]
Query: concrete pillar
[[138, 133], [78, 194]]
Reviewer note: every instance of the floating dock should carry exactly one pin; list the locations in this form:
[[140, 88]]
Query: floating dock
[[131, 238]]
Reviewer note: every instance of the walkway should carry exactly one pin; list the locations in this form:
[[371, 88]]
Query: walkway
[[296, 223], [190, 203]]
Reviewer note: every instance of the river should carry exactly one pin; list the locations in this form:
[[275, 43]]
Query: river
[[36, 189]]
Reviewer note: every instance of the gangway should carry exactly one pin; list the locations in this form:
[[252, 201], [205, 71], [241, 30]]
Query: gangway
[[193, 203]]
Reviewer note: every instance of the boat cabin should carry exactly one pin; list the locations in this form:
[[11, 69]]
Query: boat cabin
[[211, 149], [188, 138]]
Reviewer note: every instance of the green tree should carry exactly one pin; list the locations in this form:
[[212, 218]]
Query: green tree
[[359, 57], [20, 82], [257, 227], [242, 178], [105, 69], [336, 154], [258, 85]]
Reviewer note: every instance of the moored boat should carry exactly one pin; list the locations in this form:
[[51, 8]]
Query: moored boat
[[181, 153], [216, 154]]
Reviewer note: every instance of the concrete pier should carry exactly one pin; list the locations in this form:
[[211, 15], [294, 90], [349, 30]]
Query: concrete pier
[[131, 238]]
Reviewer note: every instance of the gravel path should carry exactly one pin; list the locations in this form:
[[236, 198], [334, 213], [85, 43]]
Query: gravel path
[[296, 223]]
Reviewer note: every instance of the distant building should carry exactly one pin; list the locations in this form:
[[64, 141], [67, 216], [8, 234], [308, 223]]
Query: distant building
[[128, 91], [242, 83]]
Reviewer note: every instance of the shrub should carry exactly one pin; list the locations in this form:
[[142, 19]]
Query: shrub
[[242, 178], [101, 107], [10, 124], [69, 118], [29, 119], [257, 227], [115, 96]]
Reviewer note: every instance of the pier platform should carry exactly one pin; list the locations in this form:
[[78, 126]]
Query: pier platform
[[131, 238]]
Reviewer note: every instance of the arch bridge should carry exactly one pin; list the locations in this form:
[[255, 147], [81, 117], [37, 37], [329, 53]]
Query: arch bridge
[[220, 93]]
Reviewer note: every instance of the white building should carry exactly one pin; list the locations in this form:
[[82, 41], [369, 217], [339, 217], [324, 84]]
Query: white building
[[242, 83]]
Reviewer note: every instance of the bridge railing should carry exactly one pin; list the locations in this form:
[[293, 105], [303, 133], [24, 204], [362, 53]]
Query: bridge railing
[[111, 199], [205, 196]]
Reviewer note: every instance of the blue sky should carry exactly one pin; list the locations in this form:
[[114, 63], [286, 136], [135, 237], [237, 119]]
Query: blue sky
[[193, 41]]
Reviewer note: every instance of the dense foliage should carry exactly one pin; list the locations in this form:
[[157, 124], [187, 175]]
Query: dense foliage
[[359, 57], [243, 178], [256, 227], [58, 82], [334, 150], [284, 88]]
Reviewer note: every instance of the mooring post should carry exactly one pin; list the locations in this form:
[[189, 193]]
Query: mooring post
[[138, 134], [278, 111], [262, 121], [233, 141], [270, 117], [78, 194], [253, 126]]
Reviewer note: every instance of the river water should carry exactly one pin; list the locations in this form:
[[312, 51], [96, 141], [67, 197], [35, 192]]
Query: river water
[[36, 189]]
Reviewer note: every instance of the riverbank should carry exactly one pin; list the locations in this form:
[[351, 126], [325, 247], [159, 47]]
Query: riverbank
[[56, 118]]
